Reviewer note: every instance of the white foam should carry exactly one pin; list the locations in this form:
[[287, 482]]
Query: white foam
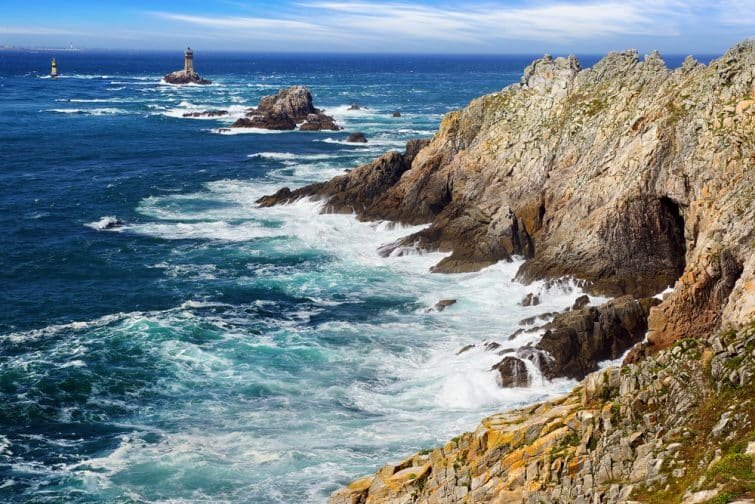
[[371, 142], [245, 131], [91, 100], [661, 295], [92, 111], [108, 222]]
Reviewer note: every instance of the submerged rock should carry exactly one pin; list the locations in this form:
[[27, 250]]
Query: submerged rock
[[286, 109], [443, 304], [530, 300], [396, 114], [357, 137]]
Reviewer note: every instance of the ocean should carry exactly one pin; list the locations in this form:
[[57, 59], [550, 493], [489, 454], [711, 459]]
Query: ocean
[[209, 350]]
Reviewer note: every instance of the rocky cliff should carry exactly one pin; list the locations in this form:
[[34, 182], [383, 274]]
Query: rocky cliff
[[628, 175], [631, 177]]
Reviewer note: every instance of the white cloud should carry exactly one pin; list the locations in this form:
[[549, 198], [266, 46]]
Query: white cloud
[[402, 25]]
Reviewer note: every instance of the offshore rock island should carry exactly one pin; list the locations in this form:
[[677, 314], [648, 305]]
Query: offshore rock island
[[285, 110], [631, 178]]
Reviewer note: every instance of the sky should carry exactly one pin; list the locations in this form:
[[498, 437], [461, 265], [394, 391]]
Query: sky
[[393, 26]]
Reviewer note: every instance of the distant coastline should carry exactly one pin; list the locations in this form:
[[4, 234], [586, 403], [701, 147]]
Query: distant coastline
[[39, 49]]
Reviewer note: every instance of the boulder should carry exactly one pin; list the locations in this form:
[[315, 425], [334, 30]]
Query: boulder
[[512, 372], [357, 138], [354, 106], [396, 114]]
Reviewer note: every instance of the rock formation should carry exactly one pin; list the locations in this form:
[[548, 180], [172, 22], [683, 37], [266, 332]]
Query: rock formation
[[361, 186], [630, 177], [575, 342], [285, 110]]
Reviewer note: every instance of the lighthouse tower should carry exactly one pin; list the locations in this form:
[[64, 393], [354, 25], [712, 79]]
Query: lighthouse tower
[[189, 61]]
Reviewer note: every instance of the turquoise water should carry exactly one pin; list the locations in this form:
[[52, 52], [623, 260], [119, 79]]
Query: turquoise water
[[208, 350]]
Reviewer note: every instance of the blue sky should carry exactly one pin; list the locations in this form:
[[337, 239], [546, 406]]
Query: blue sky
[[492, 26]]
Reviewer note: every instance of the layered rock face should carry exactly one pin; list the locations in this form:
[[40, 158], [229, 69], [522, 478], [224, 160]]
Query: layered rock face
[[285, 110], [628, 175], [677, 427]]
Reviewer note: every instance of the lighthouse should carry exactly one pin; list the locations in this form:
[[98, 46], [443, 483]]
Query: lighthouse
[[187, 75], [189, 61], [53, 68]]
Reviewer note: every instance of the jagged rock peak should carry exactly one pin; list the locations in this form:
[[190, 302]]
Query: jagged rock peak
[[545, 73]]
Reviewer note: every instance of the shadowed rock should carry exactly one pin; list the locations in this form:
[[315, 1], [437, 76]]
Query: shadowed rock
[[577, 340], [357, 137]]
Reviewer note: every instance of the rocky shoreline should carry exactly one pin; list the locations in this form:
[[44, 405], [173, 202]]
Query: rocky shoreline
[[631, 177]]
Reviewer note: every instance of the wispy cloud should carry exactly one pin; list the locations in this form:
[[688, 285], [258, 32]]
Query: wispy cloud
[[556, 20], [35, 30], [478, 24], [243, 23], [405, 26]]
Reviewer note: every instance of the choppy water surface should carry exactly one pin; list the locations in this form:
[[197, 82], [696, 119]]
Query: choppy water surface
[[209, 350]]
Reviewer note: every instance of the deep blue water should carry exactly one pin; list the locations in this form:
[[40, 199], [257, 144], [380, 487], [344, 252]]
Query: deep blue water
[[208, 350]]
